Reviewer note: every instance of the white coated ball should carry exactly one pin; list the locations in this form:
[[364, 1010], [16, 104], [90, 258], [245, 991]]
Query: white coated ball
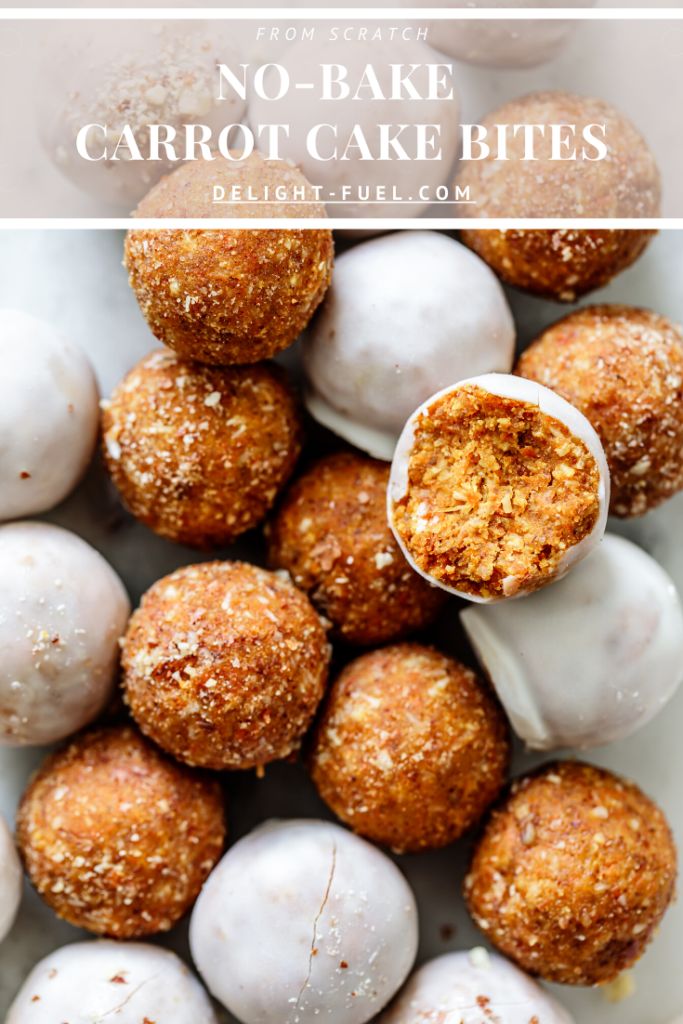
[[125, 982], [352, 149], [62, 612], [10, 879], [502, 43], [48, 415], [473, 988], [304, 922], [406, 314], [590, 659], [549, 403]]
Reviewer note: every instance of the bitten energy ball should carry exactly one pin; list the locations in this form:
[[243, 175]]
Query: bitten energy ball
[[591, 659], [130, 983], [571, 170], [563, 264], [331, 534], [62, 612], [228, 296], [225, 665], [473, 988], [623, 368], [498, 486], [115, 837], [573, 874], [10, 880], [302, 922], [48, 415], [199, 453], [406, 314], [411, 748]]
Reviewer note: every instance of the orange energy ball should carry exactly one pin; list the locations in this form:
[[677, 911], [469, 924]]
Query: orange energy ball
[[115, 837], [563, 264], [225, 665], [572, 874], [199, 453], [623, 368], [331, 534], [230, 295], [562, 174], [411, 748]]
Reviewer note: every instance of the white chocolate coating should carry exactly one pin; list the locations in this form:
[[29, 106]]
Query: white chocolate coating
[[10, 879], [590, 659], [48, 415], [139, 74], [125, 982], [473, 988], [507, 386], [303, 109], [406, 314], [501, 43], [304, 922], [62, 612]]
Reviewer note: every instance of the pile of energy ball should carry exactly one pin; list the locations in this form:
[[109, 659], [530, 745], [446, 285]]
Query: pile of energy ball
[[460, 484]]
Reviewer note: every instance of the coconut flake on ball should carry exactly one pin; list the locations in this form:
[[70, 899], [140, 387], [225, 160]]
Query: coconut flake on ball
[[496, 488], [624, 609], [303, 922], [129, 983], [10, 879], [473, 988], [62, 612], [405, 314], [48, 415]]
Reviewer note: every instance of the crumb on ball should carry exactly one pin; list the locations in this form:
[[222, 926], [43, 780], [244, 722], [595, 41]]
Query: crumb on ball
[[115, 837], [572, 874], [225, 665], [199, 453], [624, 184], [498, 491], [623, 368], [562, 264], [411, 748], [331, 534], [229, 295]]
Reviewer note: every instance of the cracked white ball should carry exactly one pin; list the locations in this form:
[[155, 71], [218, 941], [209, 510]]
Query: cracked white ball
[[497, 489], [10, 879], [127, 982], [62, 612], [406, 314], [473, 988], [304, 922], [590, 659], [48, 415]]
